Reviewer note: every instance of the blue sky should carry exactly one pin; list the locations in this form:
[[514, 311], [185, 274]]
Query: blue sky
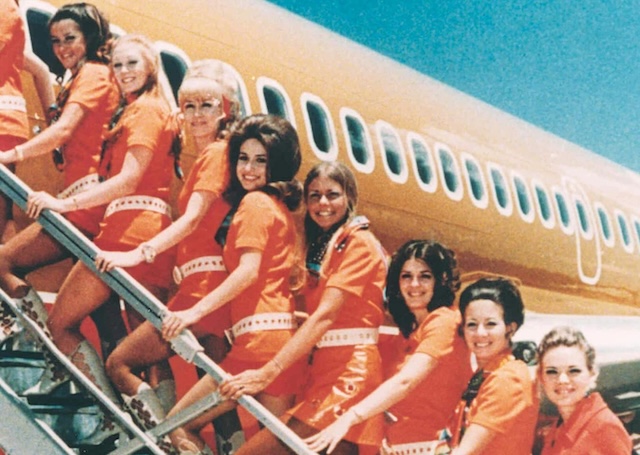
[[569, 67]]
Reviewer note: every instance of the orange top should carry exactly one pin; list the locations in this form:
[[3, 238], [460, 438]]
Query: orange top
[[592, 428], [429, 407], [262, 223], [13, 122], [95, 90], [208, 173], [507, 403], [145, 122], [341, 376]]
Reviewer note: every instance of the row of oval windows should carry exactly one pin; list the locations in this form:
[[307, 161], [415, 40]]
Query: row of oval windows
[[322, 134]]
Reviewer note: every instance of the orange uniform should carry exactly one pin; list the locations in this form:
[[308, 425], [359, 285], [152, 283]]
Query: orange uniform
[[263, 223], [429, 407], [341, 376], [507, 403], [14, 127], [592, 429], [95, 90], [209, 173], [145, 122]]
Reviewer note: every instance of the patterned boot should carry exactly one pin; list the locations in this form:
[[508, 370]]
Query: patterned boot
[[54, 375], [88, 361], [148, 412], [32, 307], [9, 325]]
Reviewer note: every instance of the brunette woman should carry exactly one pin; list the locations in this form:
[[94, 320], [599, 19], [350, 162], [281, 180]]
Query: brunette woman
[[434, 367], [346, 274], [87, 99], [500, 406]]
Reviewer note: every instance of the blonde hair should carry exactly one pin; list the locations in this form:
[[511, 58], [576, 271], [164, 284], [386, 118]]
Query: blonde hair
[[157, 83]]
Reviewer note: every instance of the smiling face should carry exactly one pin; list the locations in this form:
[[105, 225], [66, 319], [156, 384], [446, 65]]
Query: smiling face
[[326, 202], [565, 377], [130, 67], [252, 165], [202, 116], [417, 285], [69, 44], [485, 331]]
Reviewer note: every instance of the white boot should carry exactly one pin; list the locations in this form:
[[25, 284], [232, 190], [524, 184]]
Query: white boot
[[147, 410], [53, 376], [166, 393], [88, 361]]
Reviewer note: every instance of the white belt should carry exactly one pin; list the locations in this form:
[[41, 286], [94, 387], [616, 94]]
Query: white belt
[[197, 265], [348, 337], [264, 321], [414, 448], [152, 204], [80, 185], [13, 103]]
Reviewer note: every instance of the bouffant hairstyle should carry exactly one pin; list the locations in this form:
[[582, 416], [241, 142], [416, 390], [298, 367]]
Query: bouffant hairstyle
[[499, 290], [94, 27], [280, 140], [569, 337]]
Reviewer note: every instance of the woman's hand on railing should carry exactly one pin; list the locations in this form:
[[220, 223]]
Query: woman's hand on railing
[[108, 260], [40, 200]]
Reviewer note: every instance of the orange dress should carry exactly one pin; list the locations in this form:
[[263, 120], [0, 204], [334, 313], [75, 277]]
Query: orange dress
[[210, 172], [14, 126], [429, 407], [145, 122], [95, 90], [507, 403], [341, 376], [265, 224], [592, 428]]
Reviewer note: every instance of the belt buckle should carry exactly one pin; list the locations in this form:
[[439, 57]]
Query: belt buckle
[[178, 276]]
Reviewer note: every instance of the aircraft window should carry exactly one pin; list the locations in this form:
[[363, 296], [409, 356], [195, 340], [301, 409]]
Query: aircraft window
[[392, 152], [623, 229], [423, 166], [37, 22], [544, 205], [320, 129], [523, 197], [636, 225], [500, 190], [563, 211], [449, 172], [475, 181], [274, 99], [241, 91], [358, 140], [605, 224], [583, 217], [174, 67]]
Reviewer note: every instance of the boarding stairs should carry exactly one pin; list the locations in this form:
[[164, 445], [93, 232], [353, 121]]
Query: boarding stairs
[[54, 424]]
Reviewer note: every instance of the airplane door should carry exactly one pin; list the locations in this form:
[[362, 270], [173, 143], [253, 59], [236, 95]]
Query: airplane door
[[588, 246]]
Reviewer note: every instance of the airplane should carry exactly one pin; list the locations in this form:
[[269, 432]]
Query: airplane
[[432, 162]]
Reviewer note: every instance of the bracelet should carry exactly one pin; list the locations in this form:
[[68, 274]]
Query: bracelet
[[19, 153], [148, 253]]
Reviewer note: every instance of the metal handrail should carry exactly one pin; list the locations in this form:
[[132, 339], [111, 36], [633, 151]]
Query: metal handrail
[[185, 344]]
